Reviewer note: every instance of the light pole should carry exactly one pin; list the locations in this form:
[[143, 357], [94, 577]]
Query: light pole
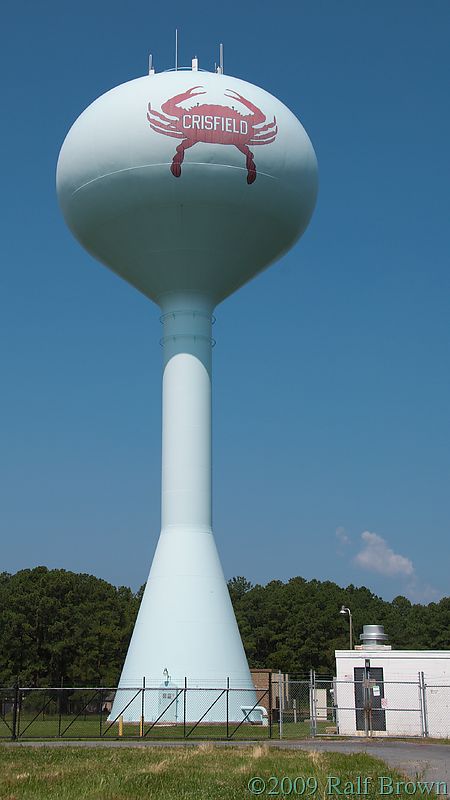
[[344, 611]]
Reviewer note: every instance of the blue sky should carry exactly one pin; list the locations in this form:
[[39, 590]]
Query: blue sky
[[332, 388]]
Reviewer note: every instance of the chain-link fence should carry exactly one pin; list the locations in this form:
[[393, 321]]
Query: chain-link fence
[[365, 706], [152, 712], [8, 707], [281, 706], [436, 711]]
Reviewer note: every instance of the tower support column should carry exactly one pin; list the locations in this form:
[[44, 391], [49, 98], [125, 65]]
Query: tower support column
[[186, 423], [186, 626]]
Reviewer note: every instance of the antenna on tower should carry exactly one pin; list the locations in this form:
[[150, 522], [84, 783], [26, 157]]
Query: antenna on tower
[[176, 48], [221, 59], [151, 69]]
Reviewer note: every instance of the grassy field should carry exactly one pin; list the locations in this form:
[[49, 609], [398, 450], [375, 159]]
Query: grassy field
[[206, 772]]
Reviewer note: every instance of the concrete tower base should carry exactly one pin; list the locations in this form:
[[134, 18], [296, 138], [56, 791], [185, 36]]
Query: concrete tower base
[[185, 631]]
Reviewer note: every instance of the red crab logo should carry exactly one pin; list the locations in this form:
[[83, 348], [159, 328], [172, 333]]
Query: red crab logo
[[213, 125]]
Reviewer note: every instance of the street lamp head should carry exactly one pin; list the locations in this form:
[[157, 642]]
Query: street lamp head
[[344, 611]]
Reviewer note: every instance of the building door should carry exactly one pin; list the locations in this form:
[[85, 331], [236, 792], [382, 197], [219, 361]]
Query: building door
[[369, 692], [168, 699]]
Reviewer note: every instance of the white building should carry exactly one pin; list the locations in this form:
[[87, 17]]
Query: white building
[[392, 692]]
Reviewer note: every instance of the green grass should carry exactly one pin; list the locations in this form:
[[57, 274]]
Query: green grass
[[37, 726], [206, 772]]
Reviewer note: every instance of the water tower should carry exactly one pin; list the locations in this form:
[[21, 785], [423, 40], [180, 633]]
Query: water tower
[[186, 184]]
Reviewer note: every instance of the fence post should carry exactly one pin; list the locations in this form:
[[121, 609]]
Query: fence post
[[141, 726], [270, 705], [184, 707], [15, 710], [60, 694], [312, 703], [422, 726], [424, 705], [101, 712], [366, 691], [280, 705], [315, 701], [228, 707]]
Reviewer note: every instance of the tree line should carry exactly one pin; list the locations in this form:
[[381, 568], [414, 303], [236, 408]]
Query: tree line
[[63, 628], [296, 625]]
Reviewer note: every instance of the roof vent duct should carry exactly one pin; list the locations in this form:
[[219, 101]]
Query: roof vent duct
[[373, 636]]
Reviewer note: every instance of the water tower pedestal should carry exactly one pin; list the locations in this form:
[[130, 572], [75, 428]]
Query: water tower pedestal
[[186, 622]]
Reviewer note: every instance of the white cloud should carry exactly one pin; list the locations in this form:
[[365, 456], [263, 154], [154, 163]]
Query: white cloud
[[377, 556], [419, 592], [342, 537]]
